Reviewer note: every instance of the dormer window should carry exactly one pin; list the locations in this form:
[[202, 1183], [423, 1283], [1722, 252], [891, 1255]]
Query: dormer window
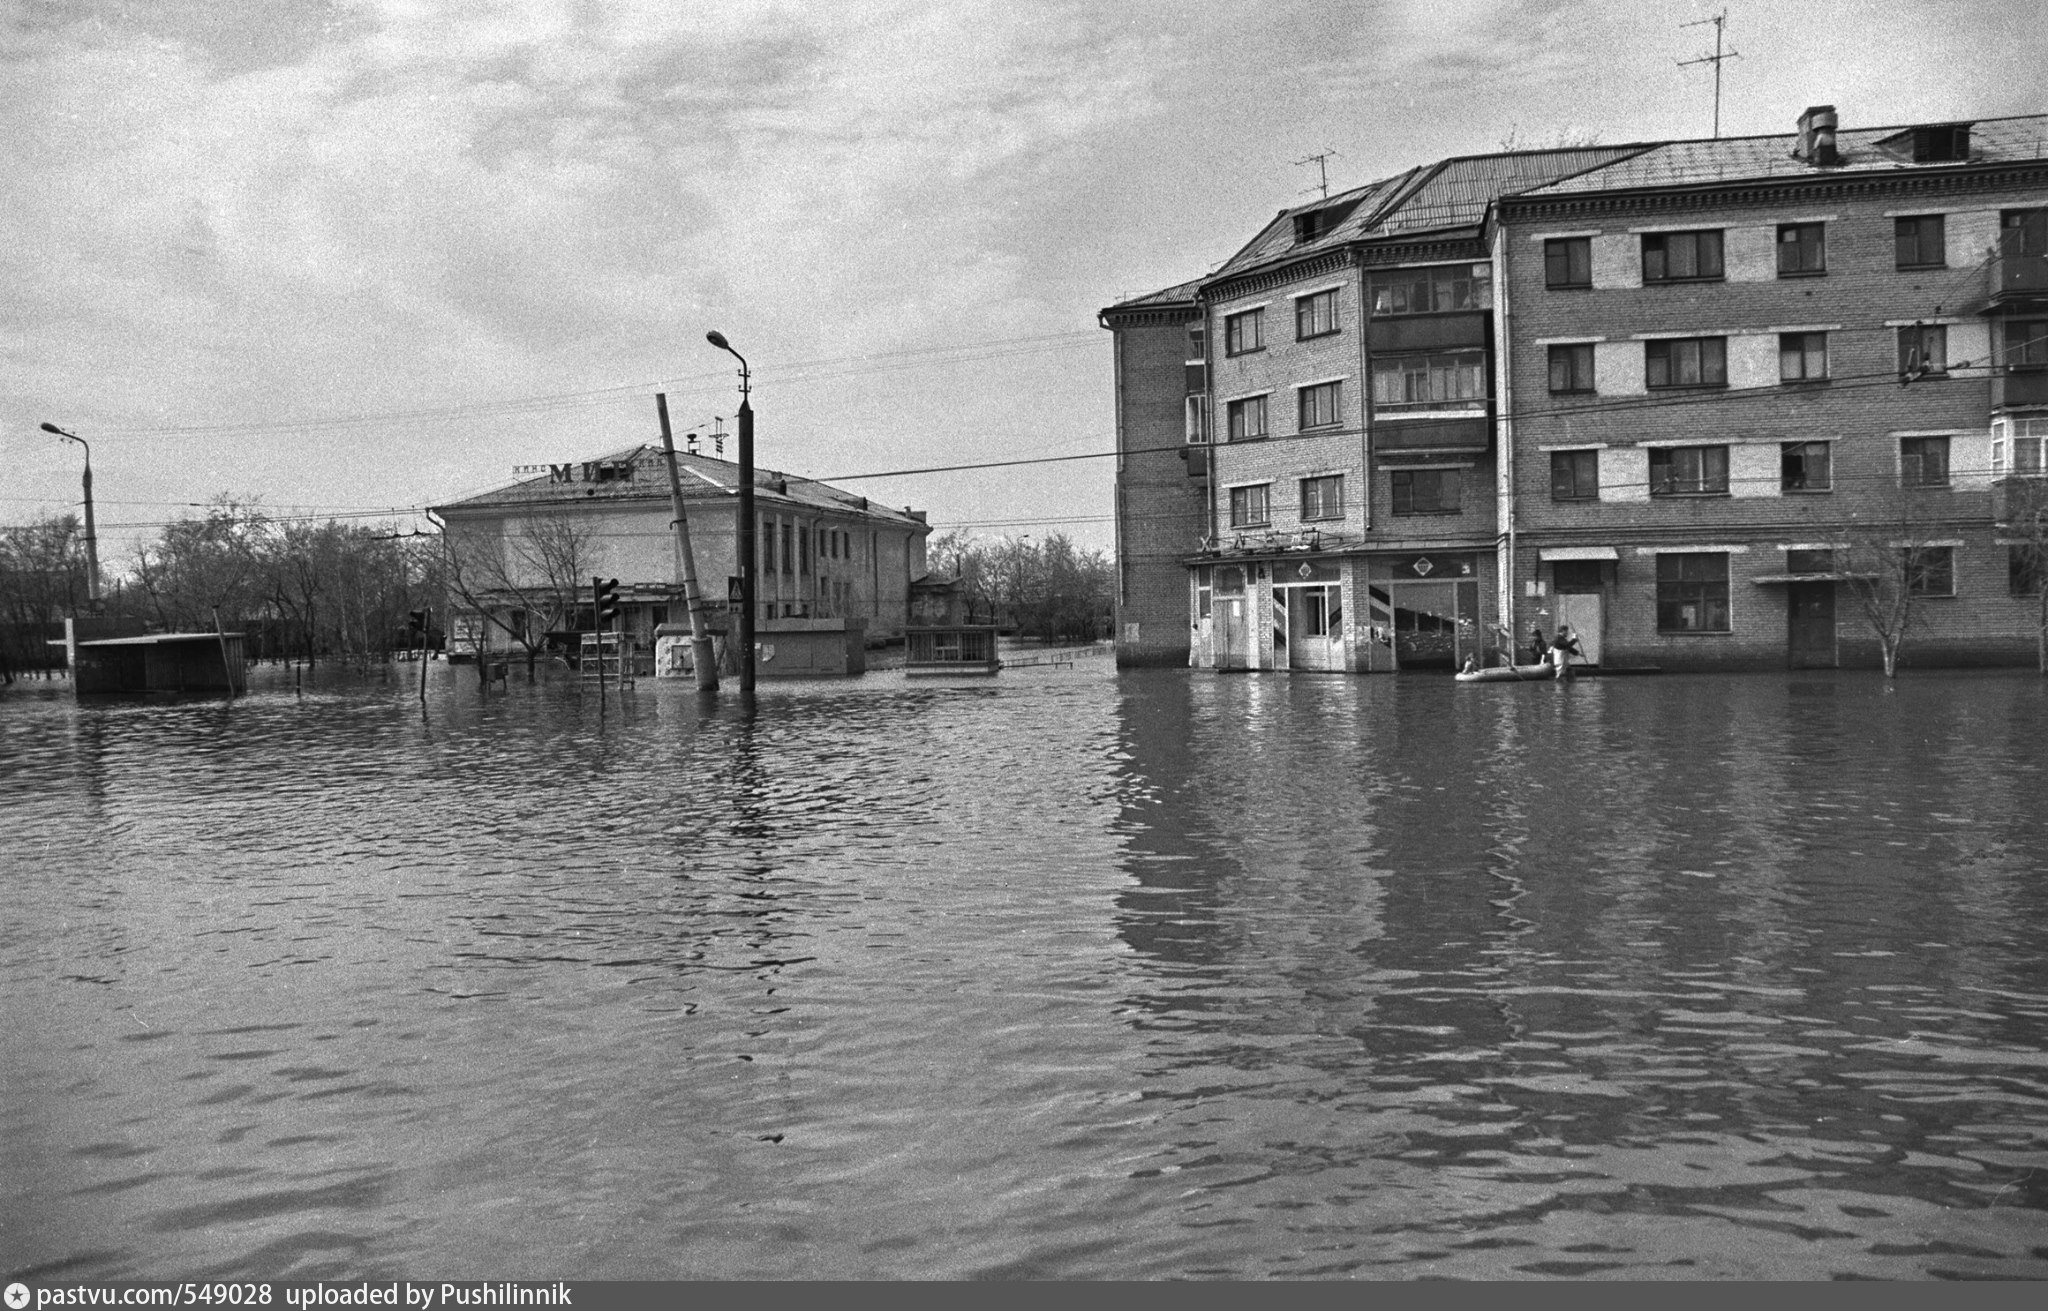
[[1315, 223], [1935, 143]]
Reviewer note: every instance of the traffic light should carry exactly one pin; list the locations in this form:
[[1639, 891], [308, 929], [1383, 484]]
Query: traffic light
[[416, 621], [606, 593]]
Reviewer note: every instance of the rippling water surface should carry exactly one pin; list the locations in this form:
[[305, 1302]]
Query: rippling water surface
[[1068, 974]]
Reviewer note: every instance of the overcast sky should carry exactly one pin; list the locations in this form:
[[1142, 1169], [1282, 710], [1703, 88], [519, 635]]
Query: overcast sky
[[363, 255]]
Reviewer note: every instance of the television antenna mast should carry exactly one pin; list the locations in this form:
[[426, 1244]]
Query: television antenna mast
[[1720, 21], [1322, 163]]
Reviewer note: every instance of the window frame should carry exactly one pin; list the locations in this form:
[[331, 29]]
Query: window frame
[[1661, 246], [1708, 475], [1810, 258], [1571, 353], [1575, 464], [1308, 309], [1666, 346], [1398, 366], [1709, 594], [1240, 409], [1930, 571], [1242, 510], [1800, 346], [1235, 334], [1922, 337], [1401, 486], [1807, 484], [1322, 497], [1442, 282], [1920, 226], [1913, 465], [1565, 253], [1310, 397]]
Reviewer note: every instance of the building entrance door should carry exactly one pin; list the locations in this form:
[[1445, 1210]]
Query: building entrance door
[[1810, 626], [1233, 633], [1584, 614], [1314, 625]]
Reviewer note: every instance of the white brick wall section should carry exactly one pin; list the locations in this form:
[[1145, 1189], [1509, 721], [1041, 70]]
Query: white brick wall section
[[1753, 360], [1624, 473], [1754, 470], [1969, 459], [1969, 236], [1618, 368], [1617, 261], [1969, 343], [1750, 254]]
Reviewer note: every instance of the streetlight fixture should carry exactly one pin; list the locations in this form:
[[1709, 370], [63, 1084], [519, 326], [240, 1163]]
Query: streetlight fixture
[[92, 544], [746, 530]]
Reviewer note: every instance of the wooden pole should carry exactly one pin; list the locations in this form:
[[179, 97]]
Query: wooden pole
[[686, 561], [227, 666]]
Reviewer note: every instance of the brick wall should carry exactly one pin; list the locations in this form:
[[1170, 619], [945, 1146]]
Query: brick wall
[[1161, 511]]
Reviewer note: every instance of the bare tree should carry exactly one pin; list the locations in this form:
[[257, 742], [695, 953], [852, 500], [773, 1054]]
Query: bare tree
[[1888, 562], [538, 569]]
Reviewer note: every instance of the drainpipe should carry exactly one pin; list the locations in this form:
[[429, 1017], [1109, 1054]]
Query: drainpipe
[[1504, 443]]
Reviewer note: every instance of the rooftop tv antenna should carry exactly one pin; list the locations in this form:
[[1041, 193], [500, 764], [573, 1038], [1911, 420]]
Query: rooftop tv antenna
[[1720, 21], [1322, 163]]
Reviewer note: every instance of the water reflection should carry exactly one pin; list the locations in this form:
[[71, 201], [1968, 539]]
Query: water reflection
[[1066, 974]]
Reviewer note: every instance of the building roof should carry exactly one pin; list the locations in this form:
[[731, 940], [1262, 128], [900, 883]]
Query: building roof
[[1740, 159], [703, 478]]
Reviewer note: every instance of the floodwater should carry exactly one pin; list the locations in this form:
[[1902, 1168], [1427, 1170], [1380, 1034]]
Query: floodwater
[[1061, 974]]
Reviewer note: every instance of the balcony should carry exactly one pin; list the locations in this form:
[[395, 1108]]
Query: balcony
[[1397, 436], [2019, 386], [2017, 274], [2020, 502], [1197, 457]]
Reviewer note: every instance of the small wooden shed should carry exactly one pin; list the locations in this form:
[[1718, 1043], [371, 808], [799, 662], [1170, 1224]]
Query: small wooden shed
[[161, 662]]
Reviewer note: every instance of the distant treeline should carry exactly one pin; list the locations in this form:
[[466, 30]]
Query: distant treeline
[[298, 589]]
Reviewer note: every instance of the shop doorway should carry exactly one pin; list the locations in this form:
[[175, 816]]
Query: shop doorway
[[1810, 626], [1308, 625]]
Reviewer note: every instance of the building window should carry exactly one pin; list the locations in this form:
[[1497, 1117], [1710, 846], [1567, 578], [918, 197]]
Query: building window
[[1454, 381], [1681, 256], [2023, 232], [1439, 290], [1686, 362], [1923, 461], [1689, 471], [1568, 262], [1251, 507], [1322, 497], [789, 548], [2024, 569], [1692, 592], [1317, 405], [1571, 368], [1923, 350], [768, 548], [1930, 570], [1243, 333], [1575, 475], [2025, 343], [1316, 316], [1805, 467], [1920, 242], [2019, 448], [803, 552], [1802, 249], [1204, 588], [1802, 356], [1247, 419], [1428, 491]]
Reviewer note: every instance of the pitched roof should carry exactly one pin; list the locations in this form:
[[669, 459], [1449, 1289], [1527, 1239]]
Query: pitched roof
[[1738, 159], [703, 478]]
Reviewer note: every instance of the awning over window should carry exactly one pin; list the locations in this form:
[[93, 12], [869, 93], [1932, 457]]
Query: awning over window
[[1577, 553]]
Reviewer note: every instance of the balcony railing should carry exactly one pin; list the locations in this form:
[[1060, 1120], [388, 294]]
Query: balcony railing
[[2014, 274], [2019, 385]]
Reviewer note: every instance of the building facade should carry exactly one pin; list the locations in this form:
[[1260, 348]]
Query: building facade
[[522, 557], [1689, 398]]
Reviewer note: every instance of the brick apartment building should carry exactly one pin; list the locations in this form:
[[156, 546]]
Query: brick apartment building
[[1681, 395]]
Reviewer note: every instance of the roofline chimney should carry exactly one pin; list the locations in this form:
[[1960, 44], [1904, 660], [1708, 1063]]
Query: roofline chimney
[[1816, 143]]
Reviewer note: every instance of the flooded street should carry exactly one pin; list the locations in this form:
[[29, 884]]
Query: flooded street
[[1062, 974]]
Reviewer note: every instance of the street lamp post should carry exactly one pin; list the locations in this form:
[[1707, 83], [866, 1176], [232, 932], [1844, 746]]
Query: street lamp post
[[746, 531], [92, 543]]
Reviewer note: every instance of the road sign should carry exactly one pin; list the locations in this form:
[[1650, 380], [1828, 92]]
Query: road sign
[[732, 590]]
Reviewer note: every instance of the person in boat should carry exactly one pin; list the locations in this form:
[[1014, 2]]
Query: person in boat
[[1539, 650], [1562, 648], [1471, 665]]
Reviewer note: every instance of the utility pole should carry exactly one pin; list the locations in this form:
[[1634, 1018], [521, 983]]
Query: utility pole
[[1719, 21], [1322, 163], [686, 561]]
